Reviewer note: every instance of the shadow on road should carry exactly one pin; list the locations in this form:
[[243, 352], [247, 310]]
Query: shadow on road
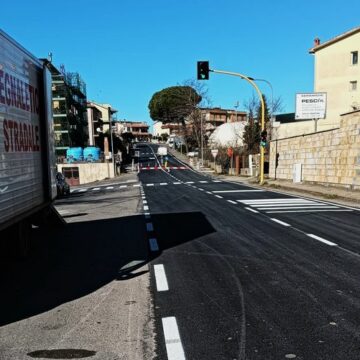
[[75, 261]]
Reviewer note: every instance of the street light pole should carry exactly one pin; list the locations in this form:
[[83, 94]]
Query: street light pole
[[251, 81]]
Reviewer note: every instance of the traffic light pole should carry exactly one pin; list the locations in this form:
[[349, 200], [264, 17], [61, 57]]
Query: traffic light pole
[[244, 77]]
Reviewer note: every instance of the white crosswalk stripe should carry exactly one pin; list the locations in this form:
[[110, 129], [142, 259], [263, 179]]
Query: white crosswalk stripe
[[284, 205]]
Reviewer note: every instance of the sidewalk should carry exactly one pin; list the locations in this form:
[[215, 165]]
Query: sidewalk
[[323, 192]]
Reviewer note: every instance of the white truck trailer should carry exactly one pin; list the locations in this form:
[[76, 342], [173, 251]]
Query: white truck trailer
[[27, 157]]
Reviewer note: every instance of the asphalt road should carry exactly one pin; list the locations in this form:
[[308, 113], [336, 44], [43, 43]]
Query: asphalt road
[[248, 274]]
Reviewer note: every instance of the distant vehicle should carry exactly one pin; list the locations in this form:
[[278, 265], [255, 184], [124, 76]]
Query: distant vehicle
[[162, 151], [193, 153], [62, 187]]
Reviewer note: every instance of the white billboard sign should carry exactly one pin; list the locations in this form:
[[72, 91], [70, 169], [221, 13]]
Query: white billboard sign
[[310, 106]]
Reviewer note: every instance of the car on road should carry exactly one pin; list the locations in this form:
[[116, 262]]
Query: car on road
[[62, 187]]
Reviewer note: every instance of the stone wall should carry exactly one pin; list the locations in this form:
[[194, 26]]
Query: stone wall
[[328, 157]]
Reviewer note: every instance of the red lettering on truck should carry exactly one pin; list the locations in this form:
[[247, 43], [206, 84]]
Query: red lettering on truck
[[20, 137]]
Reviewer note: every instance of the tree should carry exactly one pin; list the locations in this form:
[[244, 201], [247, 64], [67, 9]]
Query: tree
[[174, 104]]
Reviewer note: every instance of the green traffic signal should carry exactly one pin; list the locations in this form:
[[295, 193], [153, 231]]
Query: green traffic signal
[[203, 70]]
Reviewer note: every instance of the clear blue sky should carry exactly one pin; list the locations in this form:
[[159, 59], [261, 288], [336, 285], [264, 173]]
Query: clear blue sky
[[126, 50]]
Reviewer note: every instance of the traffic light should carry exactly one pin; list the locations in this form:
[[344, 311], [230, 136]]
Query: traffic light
[[263, 137], [203, 70]]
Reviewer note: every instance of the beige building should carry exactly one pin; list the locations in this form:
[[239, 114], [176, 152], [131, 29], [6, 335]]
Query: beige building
[[137, 129], [337, 73]]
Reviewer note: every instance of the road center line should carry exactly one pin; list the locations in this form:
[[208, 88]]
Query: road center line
[[146, 208], [149, 184], [280, 222], [162, 184], [209, 192], [173, 344], [232, 202], [327, 242], [160, 277], [219, 197]]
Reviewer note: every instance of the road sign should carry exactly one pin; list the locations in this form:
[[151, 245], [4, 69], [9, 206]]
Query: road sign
[[310, 106], [214, 152]]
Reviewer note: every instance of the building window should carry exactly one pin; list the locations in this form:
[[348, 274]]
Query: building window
[[353, 85], [354, 58]]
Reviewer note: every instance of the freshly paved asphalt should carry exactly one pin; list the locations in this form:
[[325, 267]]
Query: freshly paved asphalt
[[275, 279]]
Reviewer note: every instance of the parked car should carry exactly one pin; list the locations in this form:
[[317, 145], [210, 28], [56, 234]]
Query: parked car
[[62, 187]]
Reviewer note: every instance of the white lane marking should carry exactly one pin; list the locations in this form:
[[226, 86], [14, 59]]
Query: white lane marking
[[327, 242], [280, 222], [144, 202], [301, 211], [209, 192], [201, 189], [160, 277], [95, 189], [252, 210], [109, 187], [153, 244], [149, 184], [296, 207], [219, 197], [189, 182], [162, 184], [203, 182], [173, 344], [83, 190], [146, 208], [237, 191], [295, 203], [232, 202], [136, 185], [177, 183], [147, 215], [217, 181], [149, 227], [63, 212], [255, 201], [122, 186]]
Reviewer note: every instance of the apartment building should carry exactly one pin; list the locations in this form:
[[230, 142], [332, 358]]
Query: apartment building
[[337, 72], [69, 109], [138, 130]]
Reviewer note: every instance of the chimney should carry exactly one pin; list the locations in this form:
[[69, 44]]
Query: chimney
[[316, 42]]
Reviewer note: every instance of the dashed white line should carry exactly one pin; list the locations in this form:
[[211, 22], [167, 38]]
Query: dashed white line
[[160, 277], [162, 184], [149, 184], [219, 197], [189, 182], [173, 344], [109, 188], [95, 189], [177, 183], [153, 244], [217, 181], [209, 192], [149, 227], [144, 202], [327, 242], [83, 190], [146, 208], [280, 222], [136, 185], [147, 215], [232, 202], [203, 182], [122, 186], [201, 189], [252, 210]]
